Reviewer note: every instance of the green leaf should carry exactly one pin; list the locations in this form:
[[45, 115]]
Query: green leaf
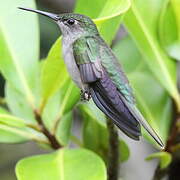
[[169, 27], [164, 157], [103, 9], [10, 134], [174, 50], [95, 134], [19, 45], [152, 100], [123, 151], [57, 114], [106, 14], [176, 8], [63, 131], [7, 135], [144, 32], [54, 74], [13, 129], [64, 164], [51, 111], [86, 7], [59, 104], [18, 105], [11, 120], [70, 94]]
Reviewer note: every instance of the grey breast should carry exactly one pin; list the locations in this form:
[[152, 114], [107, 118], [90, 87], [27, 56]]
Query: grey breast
[[70, 61]]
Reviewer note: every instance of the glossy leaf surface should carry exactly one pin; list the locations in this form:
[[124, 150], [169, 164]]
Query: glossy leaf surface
[[65, 164]]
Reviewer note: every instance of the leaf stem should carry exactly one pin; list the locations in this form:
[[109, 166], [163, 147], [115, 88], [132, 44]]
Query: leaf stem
[[113, 163], [22, 133], [63, 106], [174, 134], [52, 139]]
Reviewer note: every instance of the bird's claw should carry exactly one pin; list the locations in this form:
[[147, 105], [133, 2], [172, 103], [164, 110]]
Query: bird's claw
[[85, 95]]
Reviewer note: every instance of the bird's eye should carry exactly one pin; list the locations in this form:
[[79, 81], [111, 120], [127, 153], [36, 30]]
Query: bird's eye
[[70, 21]]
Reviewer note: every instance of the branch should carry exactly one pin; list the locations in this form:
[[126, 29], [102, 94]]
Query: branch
[[113, 159], [53, 141], [174, 134], [160, 173], [171, 147]]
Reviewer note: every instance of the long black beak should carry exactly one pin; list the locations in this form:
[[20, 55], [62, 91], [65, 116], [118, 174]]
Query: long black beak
[[55, 17]]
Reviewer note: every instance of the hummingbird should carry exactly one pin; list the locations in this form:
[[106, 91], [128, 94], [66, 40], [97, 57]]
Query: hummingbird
[[94, 68]]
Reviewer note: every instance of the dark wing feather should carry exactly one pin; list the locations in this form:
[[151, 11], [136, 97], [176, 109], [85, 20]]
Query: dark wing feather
[[106, 97]]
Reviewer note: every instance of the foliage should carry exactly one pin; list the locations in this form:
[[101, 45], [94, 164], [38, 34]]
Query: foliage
[[164, 157], [144, 33], [40, 96], [61, 164]]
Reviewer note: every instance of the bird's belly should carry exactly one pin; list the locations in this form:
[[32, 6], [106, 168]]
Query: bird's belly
[[72, 66]]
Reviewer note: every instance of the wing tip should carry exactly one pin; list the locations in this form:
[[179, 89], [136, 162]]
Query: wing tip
[[145, 124], [159, 141]]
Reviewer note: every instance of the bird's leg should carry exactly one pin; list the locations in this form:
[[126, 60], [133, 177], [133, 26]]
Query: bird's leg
[[85, 94]]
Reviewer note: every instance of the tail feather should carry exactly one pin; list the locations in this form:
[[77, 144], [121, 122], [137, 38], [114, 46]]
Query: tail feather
[[144, 123]]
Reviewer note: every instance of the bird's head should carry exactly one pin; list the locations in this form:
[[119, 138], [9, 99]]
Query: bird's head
[[70, 23]]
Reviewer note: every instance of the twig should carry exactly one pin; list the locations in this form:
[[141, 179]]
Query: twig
[[53, 141], [174, 134], [171, 143], [160, 173], [113, 159]]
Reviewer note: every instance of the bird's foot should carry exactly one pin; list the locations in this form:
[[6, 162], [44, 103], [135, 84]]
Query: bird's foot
[[85, 95]]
